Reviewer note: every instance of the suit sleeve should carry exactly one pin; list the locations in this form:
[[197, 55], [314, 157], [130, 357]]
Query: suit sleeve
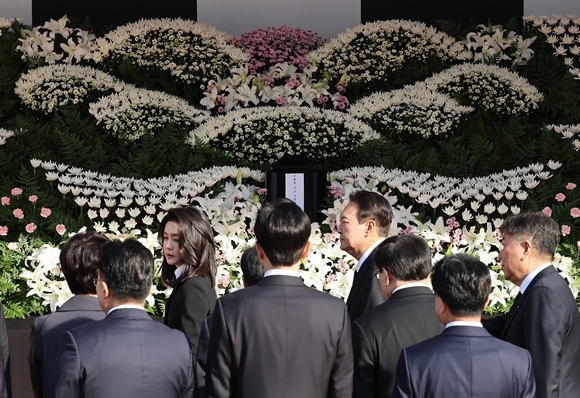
[[35, 358], [403, 387], [544, 332], [194, 310], [341, 379], [219, 376], [201, 360], [364, 359], [529, 384], [67, 375], [190, 388], [495, 325]]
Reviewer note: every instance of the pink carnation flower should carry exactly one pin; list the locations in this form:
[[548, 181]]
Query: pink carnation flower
[[12, 246], [32, 198], [566, 230], [560, 197], [45, 212], [60, 229], [575, 212], [18, 213], [3, 230], [30, 228], [16, 191], [5, 200], [547, 211], [570, 186]]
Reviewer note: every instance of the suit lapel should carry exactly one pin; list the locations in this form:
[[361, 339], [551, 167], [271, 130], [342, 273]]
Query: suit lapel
[[359, 277], [521, 298]]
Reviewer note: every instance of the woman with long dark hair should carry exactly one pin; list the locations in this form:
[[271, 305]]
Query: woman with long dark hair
[[189, 267]]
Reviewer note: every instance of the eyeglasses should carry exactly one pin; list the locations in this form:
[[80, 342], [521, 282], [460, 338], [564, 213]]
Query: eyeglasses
[[97, 279]]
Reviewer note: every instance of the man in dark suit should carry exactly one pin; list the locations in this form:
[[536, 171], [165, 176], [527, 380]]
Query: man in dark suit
[[280, 338], [406, 318], [464, 360], [5, 380], [364, 223], [79, 258], [544, 318], [252, 273], [127, 354]]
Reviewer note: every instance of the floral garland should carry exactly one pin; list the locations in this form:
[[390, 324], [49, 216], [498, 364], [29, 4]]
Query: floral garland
[[50, 87], [132, 112], [490, 45], [265, 134], [491, 87], [281, 84], [415, 110], [271, 46], [51, 42], [563, 33], [568, 131], [189, 51], [327, 268], [131, 201], [373, 50]]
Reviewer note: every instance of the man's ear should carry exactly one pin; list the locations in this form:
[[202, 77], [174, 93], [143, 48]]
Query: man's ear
[[260, 251], [486, 303], [527, 246], [306, 251], [440, 306]]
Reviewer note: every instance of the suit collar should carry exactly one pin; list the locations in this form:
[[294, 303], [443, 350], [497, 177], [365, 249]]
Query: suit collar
[[532, 275], [281, 280], [466, 331], [128, 313], [368, 253], [412, 291], [80, 303]]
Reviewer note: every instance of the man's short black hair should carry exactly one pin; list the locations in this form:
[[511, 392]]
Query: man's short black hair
[[463, 283], [282, 230], [127, 267], [373, 206], [252, 268], [407, 257]]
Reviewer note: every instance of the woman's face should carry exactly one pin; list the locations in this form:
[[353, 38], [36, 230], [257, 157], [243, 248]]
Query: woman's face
[[171, 244]]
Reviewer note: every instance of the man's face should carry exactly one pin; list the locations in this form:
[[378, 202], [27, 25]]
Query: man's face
[[512, 259], [352, 234]]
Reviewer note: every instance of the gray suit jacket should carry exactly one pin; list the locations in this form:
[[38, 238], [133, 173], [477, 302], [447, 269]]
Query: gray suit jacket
[[47, 332], [378, 336], [464, 361], [280, 339], [546, 322], [125, 355], [366, 291]]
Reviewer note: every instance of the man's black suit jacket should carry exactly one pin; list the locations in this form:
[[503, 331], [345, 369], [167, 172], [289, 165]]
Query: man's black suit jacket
[[464, 361], [546, 322], [125, 355], [46, 335], [366, 291], [279, 338], [407, 318]]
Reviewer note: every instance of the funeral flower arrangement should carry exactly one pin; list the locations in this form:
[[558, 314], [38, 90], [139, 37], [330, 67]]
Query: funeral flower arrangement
[[108, 133]]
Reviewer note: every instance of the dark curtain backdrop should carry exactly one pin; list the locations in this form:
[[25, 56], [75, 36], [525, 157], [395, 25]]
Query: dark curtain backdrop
[[106, 14], [430, 11]]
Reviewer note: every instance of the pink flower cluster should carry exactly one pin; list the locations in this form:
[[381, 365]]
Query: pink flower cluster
[[275, 45]]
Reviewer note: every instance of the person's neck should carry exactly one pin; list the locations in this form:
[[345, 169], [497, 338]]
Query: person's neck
[[470, 318], [295, 267], [112, 303], [357, 254]]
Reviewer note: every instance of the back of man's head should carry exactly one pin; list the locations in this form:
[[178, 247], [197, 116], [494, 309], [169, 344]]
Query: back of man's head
[[541, 229], [463, 283], [282, 231], [252, 268], [127, 268], [407, 257], [373, 206], [79, 258]]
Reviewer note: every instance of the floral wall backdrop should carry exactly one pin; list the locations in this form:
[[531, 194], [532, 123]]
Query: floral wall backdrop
[[457, 127]]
